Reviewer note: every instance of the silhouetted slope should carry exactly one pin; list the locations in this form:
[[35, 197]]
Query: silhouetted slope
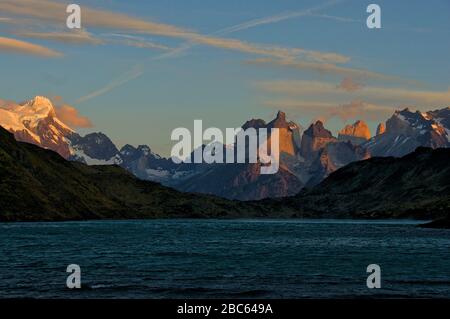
[[416, 185], [38, 184]]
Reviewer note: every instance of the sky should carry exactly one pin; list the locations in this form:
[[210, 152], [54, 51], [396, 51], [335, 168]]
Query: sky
[[136, 70]]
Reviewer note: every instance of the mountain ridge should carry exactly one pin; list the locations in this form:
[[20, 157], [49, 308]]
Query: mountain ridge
[[38, 184], [306, 156]]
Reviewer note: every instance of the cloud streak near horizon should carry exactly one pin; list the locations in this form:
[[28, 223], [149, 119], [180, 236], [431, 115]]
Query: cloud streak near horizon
[[346, 100], [10, 45]]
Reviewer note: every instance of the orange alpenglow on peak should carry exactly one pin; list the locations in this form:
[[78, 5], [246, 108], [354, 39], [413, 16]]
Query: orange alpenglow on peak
[[381, 128], [356, 133], [358, 129]]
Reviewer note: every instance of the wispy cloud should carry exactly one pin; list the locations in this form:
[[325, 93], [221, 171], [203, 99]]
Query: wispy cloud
[[71, 37], [131, 75], [324, 68], [10, 45], [134, 41], [379, 95], [314, 55], [347, 100], [70, 116], [324, 111], [349, 85], [54, 13], [277, 18]]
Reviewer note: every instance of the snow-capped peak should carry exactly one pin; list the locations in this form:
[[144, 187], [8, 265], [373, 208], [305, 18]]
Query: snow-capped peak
[[35, 121], [37, 107]]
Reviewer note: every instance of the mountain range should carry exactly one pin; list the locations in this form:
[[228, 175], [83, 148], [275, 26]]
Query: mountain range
[[307, 157], [39, 185]]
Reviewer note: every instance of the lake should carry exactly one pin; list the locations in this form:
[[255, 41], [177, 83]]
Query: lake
[[224, 259]]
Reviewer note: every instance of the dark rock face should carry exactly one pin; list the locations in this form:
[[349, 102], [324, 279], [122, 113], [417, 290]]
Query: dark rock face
[[334, 156], [145, 164], [414, 186], [314, 139], [94, 145], [242, 182]]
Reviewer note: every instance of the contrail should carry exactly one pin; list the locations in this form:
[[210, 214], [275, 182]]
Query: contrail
[[250, 24], [133, 74]]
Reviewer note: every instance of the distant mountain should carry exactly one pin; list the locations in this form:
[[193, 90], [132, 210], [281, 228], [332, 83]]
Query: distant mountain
[[306, 157], [244, 181], [358, 133], [35, 122], [407, 130], [414, 186], [94, 147], [38, 184]]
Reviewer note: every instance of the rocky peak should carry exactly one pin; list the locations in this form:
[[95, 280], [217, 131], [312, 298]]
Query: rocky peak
[[314, 139], [144, 149], [127, 149], [94, 145], [318, 130], [381, 128], [358, 129], [279, 121], [254, 123]]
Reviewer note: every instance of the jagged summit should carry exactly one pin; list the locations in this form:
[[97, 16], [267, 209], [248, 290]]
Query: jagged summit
[[357, 129], [318, 130], [279, 121], [356, 133]]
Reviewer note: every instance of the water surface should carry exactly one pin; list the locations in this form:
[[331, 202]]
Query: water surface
[[224, 259]]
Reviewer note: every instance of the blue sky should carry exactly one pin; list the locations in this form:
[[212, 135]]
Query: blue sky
[[134, 87]]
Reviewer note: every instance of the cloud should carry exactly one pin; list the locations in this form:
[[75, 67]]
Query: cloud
[[55, 13], [324, 68], [287, 53], [349, 85], [135, 41], [361, 110], [325, 110], [278, 18], [132, 74], [336, 18], [17, 46], [71, 37], [69, 115], [380, 95]]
